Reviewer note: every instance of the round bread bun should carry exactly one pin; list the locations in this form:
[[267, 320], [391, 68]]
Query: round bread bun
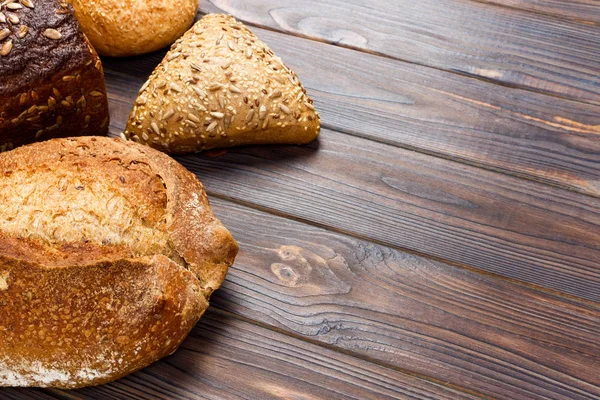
[[133, 27]]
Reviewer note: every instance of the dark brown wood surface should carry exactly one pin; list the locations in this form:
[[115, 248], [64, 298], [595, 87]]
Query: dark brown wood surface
[[441, 240], [582, 11], [542, 138], [500, 44]]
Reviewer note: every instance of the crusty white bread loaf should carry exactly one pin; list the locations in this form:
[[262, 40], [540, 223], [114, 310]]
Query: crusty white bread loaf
[[109, 252], [220, 86], [51, 79], [127, 28]]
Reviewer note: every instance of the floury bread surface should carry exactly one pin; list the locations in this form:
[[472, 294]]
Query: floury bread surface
[[221, 86], [109, 252]]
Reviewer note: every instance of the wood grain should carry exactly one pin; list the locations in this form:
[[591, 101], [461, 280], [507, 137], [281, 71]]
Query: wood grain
[[500, 224], [497, 338], [494, 43], [514, 131], [226, 358], [515, 228], [583, 11], [496, 223], [27, 394]]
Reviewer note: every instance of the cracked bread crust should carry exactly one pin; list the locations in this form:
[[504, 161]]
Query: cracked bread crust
[[109, 252]]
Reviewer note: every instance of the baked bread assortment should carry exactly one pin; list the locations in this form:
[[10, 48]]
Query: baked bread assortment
[[134, 27], [109, 250], [220, 86], [51, 79], [108, 254]]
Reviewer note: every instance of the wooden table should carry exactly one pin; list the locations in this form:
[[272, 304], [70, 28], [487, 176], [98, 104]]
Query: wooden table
[[442, 238]]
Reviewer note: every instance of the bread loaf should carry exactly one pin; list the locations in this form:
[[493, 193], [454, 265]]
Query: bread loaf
[[134, 27], [51, 79], [108, 254], [220, 86]]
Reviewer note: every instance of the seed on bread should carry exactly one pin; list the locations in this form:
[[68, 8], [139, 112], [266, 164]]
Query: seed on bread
[[222, 82], [52, 34]]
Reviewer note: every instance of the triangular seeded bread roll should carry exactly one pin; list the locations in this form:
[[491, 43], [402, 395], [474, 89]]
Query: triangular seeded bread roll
[[220, 86]]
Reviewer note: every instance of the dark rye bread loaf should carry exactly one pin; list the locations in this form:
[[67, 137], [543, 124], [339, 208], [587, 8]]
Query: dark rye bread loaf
[[109, 252], [51, 79]]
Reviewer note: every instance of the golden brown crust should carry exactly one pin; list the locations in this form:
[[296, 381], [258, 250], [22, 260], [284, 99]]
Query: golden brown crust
[[130, 28], [220, 86], [160, 276], [89, 324]]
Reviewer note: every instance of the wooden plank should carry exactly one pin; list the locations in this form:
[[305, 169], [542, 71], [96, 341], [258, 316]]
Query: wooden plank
[[496, 223], [514, 131], [27, 394], [494, 337], [226, 358], [515, 228], [500, 44], [491, 336], [582, 11], [518, 229]]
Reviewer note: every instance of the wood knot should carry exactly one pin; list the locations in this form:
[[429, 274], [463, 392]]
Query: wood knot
[[285, 274]]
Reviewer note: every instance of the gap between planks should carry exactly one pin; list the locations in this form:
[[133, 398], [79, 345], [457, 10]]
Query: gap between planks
[[542, 289], [202, 12], [462, 160], [564, 17], [523, 167], [68, 395]]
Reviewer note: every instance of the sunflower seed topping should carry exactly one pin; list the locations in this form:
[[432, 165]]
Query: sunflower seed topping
[[52, 34], [22, 32], [6, 48], [262, 112], [285, 109], [154, 127], [212, 126], [215, 86]]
